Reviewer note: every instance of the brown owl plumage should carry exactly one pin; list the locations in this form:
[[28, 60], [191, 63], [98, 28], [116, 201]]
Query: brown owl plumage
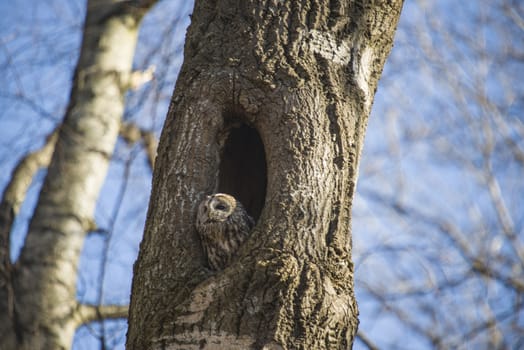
[[223, 225]]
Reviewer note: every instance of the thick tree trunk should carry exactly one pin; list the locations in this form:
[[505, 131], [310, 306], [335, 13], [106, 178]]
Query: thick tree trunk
[[271, 106], [38, 304]]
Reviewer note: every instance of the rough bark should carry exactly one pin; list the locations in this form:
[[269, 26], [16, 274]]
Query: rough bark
[[41, 311], [271, 105]]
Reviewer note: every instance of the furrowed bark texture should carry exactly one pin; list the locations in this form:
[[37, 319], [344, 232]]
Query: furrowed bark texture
[[300, 76], [41, 311]]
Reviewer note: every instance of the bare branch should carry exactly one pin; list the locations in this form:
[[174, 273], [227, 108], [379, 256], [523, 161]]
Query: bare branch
[[131, 133], [138, 78], [86, 313], [477, 329], [503, 214], [366, 341], [476, 262], [482, 267], [16, 190]]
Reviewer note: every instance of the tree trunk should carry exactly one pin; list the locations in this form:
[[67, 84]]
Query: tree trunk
[[271, 106], [38, 303]]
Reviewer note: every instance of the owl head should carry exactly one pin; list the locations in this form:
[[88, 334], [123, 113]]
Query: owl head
[[217, 207]]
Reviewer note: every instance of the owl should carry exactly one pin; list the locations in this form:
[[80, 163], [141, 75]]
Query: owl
[[223, 225]]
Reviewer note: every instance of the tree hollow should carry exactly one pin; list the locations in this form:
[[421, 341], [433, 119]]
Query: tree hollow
[[243, 170]]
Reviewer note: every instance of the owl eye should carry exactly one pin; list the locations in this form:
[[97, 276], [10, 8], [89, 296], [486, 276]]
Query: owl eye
[[220, 207]]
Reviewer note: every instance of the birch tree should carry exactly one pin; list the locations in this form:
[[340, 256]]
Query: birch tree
[[38, 304]]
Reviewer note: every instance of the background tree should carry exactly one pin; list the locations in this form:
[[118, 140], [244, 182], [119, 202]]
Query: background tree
[[38, 291], [445, 194], [271, 106], [415, 290]]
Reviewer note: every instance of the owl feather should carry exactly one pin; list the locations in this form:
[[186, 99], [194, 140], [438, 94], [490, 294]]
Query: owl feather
[[223, 225]]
